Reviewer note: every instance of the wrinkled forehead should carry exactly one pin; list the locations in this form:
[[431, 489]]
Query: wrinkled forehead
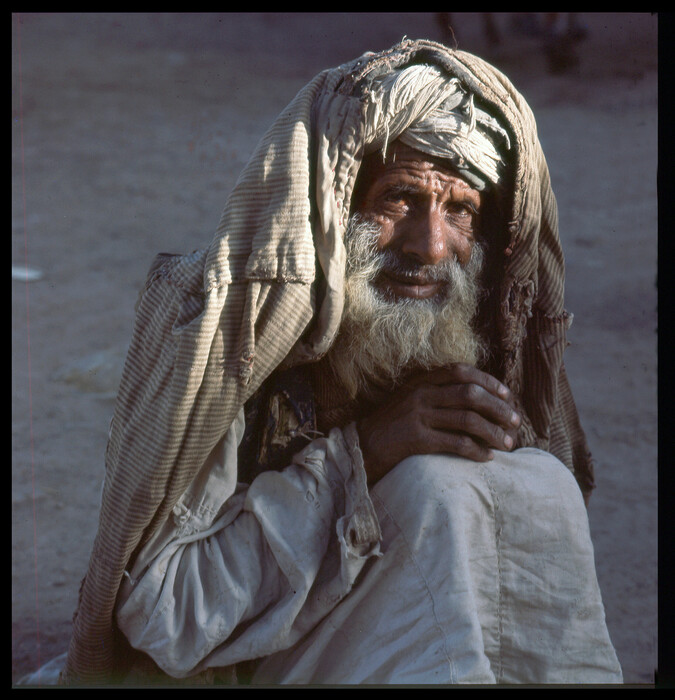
[[400, 159]]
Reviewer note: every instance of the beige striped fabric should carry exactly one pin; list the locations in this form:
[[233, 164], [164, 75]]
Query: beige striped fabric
[[211, 326]]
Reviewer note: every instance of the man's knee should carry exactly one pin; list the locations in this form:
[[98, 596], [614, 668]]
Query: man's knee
[[540, 476], [427, 476], [530, 475], [425, 491]]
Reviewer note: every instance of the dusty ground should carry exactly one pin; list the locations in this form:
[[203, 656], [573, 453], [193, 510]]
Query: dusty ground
[[128, 133]]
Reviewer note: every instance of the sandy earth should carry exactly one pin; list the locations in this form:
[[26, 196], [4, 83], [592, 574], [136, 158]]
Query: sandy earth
[[128, 133]]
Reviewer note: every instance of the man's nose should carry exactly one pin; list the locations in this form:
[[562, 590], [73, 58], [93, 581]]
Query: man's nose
[[428, 239]]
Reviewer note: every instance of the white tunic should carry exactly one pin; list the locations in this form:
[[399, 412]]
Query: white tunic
[[448, 571]]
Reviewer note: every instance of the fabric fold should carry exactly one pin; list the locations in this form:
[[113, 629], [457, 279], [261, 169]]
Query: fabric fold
[[212, 593]]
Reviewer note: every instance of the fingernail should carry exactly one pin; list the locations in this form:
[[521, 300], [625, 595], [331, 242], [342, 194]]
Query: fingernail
[[508, 441], [515, 419]]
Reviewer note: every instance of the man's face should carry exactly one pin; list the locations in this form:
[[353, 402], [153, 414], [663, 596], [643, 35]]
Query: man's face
[[413, 274], [426, 213]]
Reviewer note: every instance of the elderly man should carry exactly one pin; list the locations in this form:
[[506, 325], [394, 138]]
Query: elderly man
[[344, 448]]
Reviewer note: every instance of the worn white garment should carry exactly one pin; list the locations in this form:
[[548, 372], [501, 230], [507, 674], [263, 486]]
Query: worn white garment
[[449, 571], [487, 576], [231, 579]]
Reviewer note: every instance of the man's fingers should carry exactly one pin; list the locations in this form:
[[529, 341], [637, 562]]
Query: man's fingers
[[462, 373], [464, 446], [474, 426], [472, 398]]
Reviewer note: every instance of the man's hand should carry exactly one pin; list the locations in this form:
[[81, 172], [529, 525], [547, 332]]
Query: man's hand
[[459, 410]]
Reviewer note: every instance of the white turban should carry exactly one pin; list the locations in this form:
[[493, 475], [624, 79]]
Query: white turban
[[434, 114]]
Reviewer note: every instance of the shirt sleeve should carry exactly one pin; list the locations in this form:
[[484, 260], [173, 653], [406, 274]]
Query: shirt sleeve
[[278, 557]]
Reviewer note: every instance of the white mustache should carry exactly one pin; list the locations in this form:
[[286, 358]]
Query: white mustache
[[400, 267]]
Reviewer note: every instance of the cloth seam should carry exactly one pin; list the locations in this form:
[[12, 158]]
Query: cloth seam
[[453, 673], [499, 675]]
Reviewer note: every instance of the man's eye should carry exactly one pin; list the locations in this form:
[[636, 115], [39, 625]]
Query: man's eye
[[396, 199], [461, 210]]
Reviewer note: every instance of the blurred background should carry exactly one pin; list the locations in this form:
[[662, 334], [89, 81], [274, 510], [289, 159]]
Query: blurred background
[[128, 132]]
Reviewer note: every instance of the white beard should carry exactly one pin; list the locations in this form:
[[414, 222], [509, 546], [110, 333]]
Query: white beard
[[383, 338]]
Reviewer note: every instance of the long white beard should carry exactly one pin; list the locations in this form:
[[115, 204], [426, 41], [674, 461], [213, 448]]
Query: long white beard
[[383, 338]]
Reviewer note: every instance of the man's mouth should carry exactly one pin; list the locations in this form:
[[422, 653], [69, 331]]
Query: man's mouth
[[412, 286]]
